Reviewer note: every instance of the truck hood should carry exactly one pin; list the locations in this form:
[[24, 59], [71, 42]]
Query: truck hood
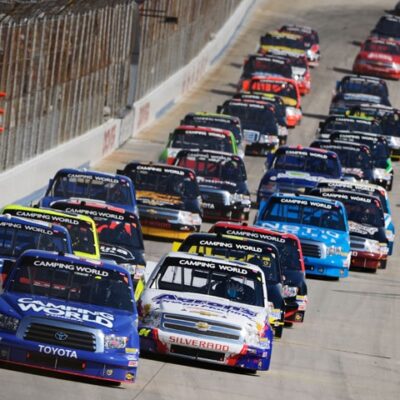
[[155, 199], [307, 232], [205, 184], [203, 307], [21, 305]]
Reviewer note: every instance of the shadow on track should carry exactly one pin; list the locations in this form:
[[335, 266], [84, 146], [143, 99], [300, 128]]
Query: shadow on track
[[197, 364], [343, 70], [315, 116], [223, 92], [59, 375], [236, 65], [357, 43]]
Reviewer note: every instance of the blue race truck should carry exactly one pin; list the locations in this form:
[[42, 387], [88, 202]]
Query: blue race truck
[[71, 315], [320, 224]]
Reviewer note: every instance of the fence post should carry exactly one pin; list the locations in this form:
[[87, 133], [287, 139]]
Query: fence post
[[2, 96]]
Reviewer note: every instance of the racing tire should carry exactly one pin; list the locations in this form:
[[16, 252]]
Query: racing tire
[[278, 331], [383, 264]]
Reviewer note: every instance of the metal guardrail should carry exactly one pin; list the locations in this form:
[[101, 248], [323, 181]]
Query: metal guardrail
[[67, 65], [62, 70], [167, 46]]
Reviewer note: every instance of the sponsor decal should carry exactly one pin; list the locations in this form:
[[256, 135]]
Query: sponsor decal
[[255, 235], [67, 312], [301, 202], [30, 228], [304, 232], [131, 350], [47, 217], [354, 227], [95, 213], [306, 154], [201, 305], [153, 168], [57, 351], [83, 269], [106, 179], [201, 344]]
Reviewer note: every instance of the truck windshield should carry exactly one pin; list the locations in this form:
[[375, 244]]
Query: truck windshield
[[223, 170], [327, 165], [14, 241], [182, 140], [267, 260], [299, 212], [110, 190], [75, 283], [262, 118], [163, 183], [233, 283]]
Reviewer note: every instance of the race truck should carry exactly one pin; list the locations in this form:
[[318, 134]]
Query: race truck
[[70, 315], [382, 172], [279, 109], [207, 309], [222, 181], [371, 190], [358, 84], [337, 124], [263, 65], [291, 262], [300, 69], [287, 89], [355, 158], [295, 168], [388, 26], [311, 41], [259, 123], [119, 231], [81, 228], [342, 102], [20, 234], [368, 241], [288, 41], [113, 189], [221, 121], [378, 57], [320, 224], [168, 198], [186, 137], [234, 248]]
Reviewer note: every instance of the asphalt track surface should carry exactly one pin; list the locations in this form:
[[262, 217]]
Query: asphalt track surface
[[349, 344]]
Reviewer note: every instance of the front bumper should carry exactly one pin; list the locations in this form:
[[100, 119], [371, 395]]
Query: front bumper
[[326, 267], [115, 367], [366, 260], [216, 211], [384, 72], [231, 353]]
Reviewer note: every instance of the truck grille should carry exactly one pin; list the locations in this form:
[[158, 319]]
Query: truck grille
[[311, 249], [213, 197], [197, 353], [49, 334], [201, 327], [357, 243]]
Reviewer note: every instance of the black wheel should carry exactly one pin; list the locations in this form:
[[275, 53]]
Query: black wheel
[[278, 331], [383, 264]]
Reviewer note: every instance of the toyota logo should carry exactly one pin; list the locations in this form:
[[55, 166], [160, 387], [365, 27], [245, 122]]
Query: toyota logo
[[61, 336]]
